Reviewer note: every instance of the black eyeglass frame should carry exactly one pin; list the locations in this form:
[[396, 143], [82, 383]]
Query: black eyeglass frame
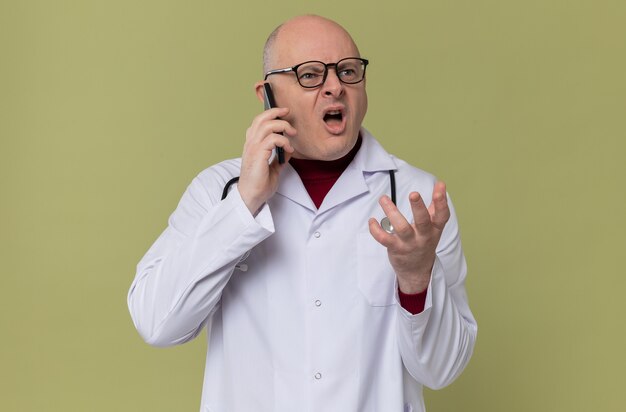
[[294, 69]]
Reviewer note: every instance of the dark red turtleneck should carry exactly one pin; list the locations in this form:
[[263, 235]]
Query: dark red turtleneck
[[318, 177]]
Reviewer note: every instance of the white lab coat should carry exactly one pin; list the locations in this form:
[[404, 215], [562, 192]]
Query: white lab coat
[[314, 324]]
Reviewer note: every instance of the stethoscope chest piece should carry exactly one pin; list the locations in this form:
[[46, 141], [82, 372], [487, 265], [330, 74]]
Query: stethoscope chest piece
[[386, 225]]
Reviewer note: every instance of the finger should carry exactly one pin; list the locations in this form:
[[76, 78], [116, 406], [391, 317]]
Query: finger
[[401, 226], [287, 155], [379, 234], [272, 126], [421, 217], [439, 210], [264, 117], [281, 126], [276, 140], [289, 129], [261, 152]]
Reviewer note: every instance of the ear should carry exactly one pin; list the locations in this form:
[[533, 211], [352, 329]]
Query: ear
[[258, 89]]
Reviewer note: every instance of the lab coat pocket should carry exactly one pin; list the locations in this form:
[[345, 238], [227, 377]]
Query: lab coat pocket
[[375, 275]]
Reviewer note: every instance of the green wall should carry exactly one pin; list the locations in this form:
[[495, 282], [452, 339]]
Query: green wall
[[109, 108]]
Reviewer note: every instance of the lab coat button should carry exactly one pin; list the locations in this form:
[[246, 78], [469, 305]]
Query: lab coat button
[[317, 234], [318, 376], [318, 303]]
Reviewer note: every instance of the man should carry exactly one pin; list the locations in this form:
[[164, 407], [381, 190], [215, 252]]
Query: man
[[309, 303]]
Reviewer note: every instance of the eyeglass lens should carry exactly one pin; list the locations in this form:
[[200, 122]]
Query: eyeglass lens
[[313, 74]]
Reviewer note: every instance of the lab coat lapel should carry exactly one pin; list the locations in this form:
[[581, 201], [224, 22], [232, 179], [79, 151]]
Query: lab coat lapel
[[350, 184], [292, 188], [371, 157]]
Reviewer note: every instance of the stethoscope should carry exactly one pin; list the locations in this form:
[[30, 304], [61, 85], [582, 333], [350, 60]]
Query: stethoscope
[[384, 222]]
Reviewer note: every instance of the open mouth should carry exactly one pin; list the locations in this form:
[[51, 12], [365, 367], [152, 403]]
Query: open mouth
[[334, 120], [333, 116]]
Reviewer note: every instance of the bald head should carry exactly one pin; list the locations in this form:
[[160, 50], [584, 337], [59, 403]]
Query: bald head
[[294, 33]]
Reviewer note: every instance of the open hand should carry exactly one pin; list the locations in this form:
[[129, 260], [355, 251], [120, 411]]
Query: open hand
[[412, 247]]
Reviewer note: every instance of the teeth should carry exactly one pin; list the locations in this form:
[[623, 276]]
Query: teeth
[[334, 112]]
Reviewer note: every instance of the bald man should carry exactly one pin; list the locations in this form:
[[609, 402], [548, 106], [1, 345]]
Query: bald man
[[318, 288]]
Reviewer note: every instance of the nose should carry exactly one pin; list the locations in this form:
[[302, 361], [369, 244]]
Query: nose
[[332, 86]]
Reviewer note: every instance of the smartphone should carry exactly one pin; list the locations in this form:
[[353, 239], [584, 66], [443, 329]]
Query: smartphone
[[270, 103]]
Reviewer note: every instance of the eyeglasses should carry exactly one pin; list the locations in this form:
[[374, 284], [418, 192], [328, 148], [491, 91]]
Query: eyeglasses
[[350, 70]]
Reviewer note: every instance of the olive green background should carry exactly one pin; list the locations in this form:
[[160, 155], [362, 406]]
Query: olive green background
[[108, 109]]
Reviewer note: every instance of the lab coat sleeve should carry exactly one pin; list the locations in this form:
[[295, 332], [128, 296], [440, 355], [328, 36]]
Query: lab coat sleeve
[[179, 282], [437, 343]]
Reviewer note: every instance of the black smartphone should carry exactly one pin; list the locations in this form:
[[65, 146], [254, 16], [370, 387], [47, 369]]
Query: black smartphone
[[269, 103]]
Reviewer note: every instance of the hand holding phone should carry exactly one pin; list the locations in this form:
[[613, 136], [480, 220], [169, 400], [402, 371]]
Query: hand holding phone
[[260, 177], [270, 103]]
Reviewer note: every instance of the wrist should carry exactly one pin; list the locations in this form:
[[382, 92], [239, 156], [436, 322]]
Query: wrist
[[413, 284], [252, 203]]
